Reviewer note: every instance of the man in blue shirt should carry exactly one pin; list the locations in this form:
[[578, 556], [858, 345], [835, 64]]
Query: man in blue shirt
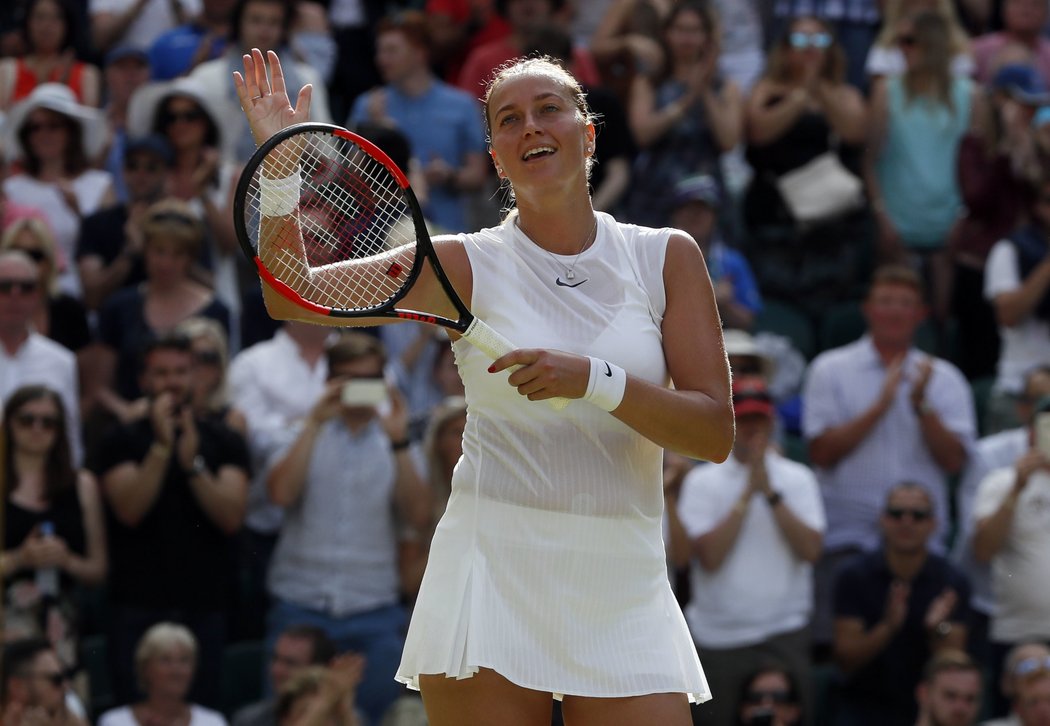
[[442, 123]]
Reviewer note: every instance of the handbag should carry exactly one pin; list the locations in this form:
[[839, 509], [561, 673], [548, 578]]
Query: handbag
[[820, 190]]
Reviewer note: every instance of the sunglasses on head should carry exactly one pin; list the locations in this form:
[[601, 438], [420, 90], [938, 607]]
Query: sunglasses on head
[[29, 420], [802, 40], [23, 287], [757, 697], [1031, 665], [899, 513]]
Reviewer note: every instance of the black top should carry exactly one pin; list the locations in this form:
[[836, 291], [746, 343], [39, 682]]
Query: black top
[[123, 327], [102, 235], [65, 514], [884, 689], [176, 557], [67, 322]]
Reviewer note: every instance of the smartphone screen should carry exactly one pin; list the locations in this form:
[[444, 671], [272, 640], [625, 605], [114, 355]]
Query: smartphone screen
[[364, 392]]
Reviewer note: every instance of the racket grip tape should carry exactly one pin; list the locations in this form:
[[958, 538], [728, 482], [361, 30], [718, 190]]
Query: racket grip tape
[[494, 345]]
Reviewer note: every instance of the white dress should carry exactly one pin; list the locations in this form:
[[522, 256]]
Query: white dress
[[548, 565]]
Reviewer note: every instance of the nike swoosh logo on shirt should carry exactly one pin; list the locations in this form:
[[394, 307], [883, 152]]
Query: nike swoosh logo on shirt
[[608, 370], [559, 283]]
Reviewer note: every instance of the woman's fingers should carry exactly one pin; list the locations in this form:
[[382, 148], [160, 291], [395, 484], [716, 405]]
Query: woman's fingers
[[276, 73]]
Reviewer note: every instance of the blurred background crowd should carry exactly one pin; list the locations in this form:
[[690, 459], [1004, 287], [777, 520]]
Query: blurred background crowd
[[199, 528]]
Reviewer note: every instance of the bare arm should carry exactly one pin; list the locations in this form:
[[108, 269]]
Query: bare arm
[[845, 109], [943, 443], [1014, 306], [992, 532], [223, 495], [90, 568], [132, 488], [712, 547], [725, 113], [288, 477], [768, 122], [855, 646], [805, 542]]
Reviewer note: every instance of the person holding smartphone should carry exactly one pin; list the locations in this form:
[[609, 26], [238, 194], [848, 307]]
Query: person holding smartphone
[[349, 484]]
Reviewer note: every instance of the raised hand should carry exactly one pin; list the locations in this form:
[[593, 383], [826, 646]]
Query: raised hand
[[941, 608], [265, 100]]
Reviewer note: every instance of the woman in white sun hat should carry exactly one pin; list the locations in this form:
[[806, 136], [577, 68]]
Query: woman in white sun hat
[[185, 114], [53, 141]]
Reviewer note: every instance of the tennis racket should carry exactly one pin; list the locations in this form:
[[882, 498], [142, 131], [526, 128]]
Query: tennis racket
[[352, 239]]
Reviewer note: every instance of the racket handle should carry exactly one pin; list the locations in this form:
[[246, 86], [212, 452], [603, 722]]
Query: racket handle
[[494, 345]]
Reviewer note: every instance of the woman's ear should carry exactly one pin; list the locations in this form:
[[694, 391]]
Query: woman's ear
[[495, 162], [590, 138]]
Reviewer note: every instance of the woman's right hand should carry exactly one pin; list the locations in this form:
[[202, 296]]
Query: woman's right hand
[[265, 102]]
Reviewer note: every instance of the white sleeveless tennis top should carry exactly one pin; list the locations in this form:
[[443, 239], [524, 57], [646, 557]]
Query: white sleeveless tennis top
[[548, 565]]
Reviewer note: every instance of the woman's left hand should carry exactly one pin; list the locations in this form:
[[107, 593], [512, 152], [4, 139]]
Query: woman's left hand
[[545, 373], [395, 421]]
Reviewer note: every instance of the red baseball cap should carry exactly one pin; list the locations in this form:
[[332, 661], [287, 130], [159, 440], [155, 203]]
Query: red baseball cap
[[751, 395]]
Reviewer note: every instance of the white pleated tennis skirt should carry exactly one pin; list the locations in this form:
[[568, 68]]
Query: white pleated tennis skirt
[[557, 602]]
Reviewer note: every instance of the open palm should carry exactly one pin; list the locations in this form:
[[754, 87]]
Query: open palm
[[264, 100]]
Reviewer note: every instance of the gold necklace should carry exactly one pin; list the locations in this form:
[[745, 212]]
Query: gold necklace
[[570, 270]]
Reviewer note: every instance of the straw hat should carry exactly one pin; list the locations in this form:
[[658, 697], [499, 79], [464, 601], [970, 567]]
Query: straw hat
[[146, 102], [57, 97]]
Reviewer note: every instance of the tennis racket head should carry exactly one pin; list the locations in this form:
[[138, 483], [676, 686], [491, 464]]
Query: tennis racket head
[[353, 204]]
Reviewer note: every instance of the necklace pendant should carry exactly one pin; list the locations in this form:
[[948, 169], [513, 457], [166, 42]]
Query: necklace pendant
[[570, 275]]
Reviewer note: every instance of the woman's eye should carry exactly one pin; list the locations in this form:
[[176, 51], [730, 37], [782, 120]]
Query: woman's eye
[[506, 119], [550, 107]]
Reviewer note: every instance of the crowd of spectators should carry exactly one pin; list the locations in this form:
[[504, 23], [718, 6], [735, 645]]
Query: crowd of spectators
[[209, 516]]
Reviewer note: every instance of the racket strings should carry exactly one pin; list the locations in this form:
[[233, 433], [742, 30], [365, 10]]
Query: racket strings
[[354, 244]]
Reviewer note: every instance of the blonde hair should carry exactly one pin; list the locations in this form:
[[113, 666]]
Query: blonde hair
[[897, 10], [159, 639], [42, 232], [201, 327], [172, 219]]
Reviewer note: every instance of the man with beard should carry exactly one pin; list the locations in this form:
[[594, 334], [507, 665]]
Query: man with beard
[[175, 489], [950, 691]]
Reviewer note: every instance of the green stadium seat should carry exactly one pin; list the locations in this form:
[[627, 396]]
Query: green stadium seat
[[242, 671], [94, 657], [841, 323], [785, 319]]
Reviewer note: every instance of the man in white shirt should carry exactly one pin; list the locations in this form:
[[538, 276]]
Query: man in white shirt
[[274, 384], [755, 523], [27, 357], [991, 452], [877, 412], [1012, 531]]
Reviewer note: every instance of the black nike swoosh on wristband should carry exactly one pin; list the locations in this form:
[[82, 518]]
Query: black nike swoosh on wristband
[[559, 283], [608, 370]]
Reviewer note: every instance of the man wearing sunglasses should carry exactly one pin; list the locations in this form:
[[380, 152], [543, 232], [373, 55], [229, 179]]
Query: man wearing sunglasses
[[894, 608], [33, 691], [1012, 532], [26, 356]]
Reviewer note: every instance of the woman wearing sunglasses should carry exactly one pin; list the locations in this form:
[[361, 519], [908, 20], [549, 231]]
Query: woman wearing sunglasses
[[769, 696], [53, 531], [887, 58], [800, 110]]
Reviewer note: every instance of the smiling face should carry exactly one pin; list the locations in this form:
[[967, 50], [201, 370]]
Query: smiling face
[[541, 137], [46, 24], [35, 425]]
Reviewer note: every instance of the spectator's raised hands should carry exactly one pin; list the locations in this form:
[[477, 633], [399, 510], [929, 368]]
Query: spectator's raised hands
[[265, 100], [940, 609]]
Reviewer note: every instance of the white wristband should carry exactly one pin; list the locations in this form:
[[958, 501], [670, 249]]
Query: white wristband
[[279, 197], [606, 385]]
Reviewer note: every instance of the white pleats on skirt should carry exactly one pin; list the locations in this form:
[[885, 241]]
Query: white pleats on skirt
[[558, 602]]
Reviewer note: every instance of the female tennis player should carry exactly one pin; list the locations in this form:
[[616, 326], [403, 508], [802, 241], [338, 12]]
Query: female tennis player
[[546, 574]]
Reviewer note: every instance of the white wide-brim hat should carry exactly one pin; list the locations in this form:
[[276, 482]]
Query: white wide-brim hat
[[146, 103], [741, 343], [57, 97]]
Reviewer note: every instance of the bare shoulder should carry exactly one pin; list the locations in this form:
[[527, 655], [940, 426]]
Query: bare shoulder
[[684, 263]]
